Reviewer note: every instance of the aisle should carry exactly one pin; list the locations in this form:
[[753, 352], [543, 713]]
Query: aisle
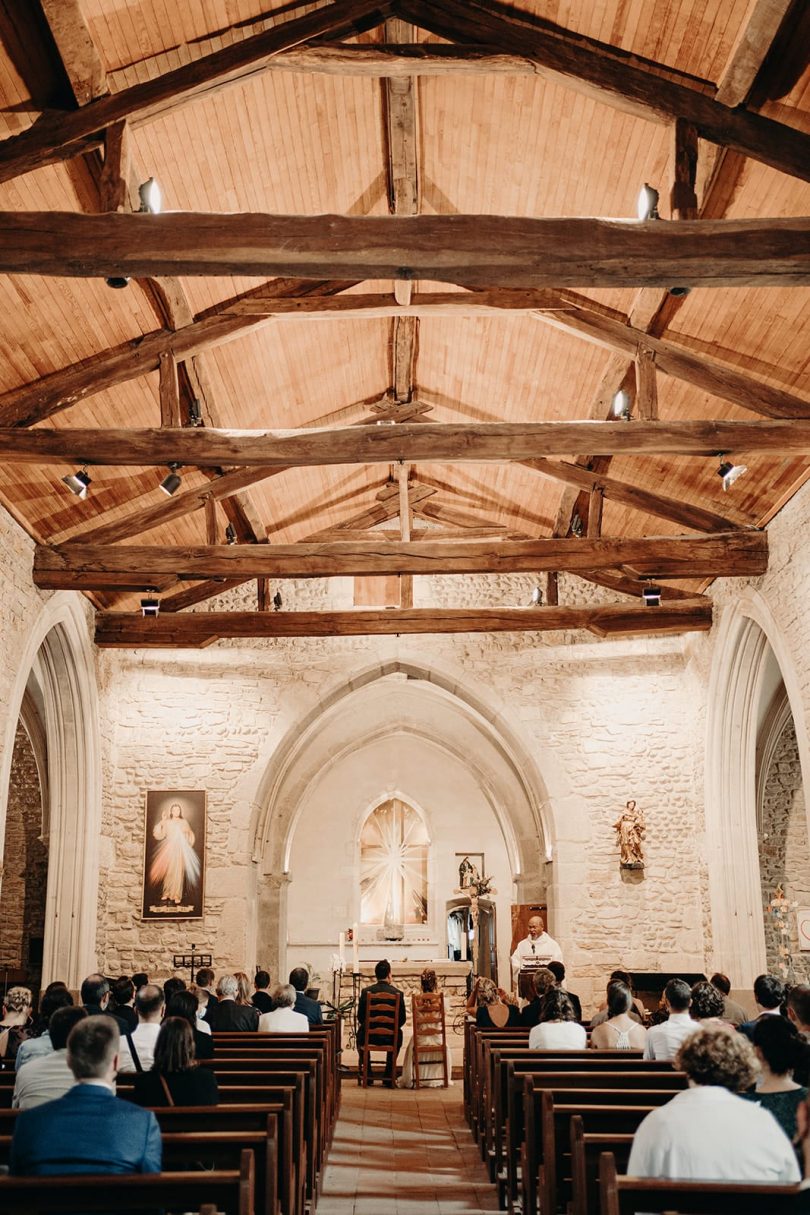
[[404, 1153]]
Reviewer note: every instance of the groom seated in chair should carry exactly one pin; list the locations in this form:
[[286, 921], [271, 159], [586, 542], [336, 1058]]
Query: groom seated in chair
[[383, 985]]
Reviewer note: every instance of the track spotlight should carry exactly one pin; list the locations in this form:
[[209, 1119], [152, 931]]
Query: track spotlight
[[651, 595], [647, 203], [277, 601], [172, 483], [78, 483], [537, 597], [577, 526], [150, 196], [730, 472], [195, 413], [230, 534], [117, 281], [620, 408], [150, 606]]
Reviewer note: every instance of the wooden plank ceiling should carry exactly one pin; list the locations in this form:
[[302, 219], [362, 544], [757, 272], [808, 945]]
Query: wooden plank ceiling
[[539, 111]]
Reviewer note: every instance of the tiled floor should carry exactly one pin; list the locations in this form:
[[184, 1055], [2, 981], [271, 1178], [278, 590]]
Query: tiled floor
[[404, 1153]]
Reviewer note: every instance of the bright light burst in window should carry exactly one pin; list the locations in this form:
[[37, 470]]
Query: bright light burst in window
[[393, 866]]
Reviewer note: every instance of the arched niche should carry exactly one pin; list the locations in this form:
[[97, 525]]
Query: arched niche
[[751, 659], [392, 706], [57, 677]]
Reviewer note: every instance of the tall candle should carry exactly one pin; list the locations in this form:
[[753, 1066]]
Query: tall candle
[[342, 949], [355, 951]]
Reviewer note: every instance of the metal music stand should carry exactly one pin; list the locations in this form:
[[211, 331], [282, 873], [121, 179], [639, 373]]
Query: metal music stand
[[193, 961]]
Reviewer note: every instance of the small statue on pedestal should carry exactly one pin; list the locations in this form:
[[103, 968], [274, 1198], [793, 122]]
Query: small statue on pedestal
[[630, 829]]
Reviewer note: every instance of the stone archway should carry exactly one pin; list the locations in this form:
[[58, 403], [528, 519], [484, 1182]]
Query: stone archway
[[410, 702], [748, 637], [58, 670]]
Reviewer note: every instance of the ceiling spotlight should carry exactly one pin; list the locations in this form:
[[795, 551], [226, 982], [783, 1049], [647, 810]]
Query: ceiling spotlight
[[150, 606], [150, 196], [277, 601], [651, 595], [230, 534], [117, 281], [577, 526], [730, 472], [647, 203], [78, 483], [195, 413], [537, 597], [620, 407], [172, 483]]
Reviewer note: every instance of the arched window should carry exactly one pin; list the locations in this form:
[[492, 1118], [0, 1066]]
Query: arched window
[[393, 865]]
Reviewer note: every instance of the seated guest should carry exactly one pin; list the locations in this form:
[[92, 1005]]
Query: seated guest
[[16, 1023], [382, 972], [637, 1009], [558, 1028], [299, 978], [138, 1048], [174, 1077], [244, 985], [779, 1049], [204, 979], [260, 996], [707, 1132], [663, 1040], [769, 992], [708, 1007], [184, 1004], [140, 980], [733, 1012], [620, 1031], [228, 1015], [171, 987], [89, 1130], [798, 1007], [492, 1011], [55, 995], [122, 1004], [49, 1076], [431, 1067], [283, 1019], [202, 1005], [542, 981], [558, 970], [95, 995]]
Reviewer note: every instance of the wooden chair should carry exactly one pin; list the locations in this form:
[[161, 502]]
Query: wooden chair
[[381, 1033], [429, 1035]]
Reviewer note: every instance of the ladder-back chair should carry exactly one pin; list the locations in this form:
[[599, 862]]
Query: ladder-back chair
[[429, 1036], [381, 1032]]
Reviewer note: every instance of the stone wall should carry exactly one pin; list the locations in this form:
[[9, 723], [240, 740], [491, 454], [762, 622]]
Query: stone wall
[[784, 854], [25, 864]]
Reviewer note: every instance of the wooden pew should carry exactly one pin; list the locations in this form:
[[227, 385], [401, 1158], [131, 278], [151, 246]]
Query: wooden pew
[[547, 1146], [226, 1190], [625, 1195], [586, 1150], [624, 1075]]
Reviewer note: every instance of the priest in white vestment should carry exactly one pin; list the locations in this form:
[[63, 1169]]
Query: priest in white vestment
[[537, 947]]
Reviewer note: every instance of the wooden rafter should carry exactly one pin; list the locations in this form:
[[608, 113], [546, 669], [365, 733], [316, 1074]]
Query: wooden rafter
[[80, 566], [200, 628], [471, 250], [598, 71], [426, 441], [56, 137]]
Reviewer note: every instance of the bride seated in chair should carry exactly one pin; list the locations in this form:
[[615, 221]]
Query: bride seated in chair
[[436, 1070]]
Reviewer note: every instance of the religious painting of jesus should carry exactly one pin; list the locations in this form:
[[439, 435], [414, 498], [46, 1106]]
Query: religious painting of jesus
[[174, 855]]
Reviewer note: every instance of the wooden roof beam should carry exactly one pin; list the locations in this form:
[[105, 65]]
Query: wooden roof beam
[[80, 566], [123, 629], [411, 441], [59, 136], [471, 250], [603, 72]]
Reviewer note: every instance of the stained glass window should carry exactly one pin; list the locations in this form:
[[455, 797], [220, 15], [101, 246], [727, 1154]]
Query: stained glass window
[[393, 866]]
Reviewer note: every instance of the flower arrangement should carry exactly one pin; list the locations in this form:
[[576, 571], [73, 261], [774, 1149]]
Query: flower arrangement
[[780, 909]]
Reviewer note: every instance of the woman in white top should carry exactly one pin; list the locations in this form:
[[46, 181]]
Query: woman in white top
[[558, 1028], [620, 1031], [283, 1019]]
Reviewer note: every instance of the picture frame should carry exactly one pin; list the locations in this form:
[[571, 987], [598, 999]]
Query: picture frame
[[174, 854], [476, 859]]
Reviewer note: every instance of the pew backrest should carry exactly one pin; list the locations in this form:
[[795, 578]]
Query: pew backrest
[[620, 1195]]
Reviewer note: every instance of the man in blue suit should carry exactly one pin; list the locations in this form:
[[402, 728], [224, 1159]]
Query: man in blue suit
[[89, 1130]]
